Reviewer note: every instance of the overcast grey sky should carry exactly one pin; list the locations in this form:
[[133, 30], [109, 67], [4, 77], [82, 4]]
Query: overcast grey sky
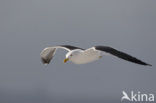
[[28, 26]]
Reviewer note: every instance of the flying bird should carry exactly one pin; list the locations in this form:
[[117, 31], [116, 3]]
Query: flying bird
[[82, 56]]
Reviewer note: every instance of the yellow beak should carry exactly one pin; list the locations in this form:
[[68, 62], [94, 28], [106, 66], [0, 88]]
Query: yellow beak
[[65, 60]]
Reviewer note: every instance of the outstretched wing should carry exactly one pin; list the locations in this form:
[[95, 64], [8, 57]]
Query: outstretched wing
[[120, 54], [48, 53]]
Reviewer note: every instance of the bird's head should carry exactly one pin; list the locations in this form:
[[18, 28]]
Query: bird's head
[[71, 54]]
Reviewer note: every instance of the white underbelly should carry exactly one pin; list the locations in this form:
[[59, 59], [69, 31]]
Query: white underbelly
[[86, 57]]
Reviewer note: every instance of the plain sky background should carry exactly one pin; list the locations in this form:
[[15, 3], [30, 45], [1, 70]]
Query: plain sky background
[[28, 26]]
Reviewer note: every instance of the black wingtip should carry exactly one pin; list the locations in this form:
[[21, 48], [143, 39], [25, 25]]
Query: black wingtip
[[145, 64], [45, 61]]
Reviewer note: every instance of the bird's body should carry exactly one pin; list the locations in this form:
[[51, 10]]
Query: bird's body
[[86, 56], [82, 56]]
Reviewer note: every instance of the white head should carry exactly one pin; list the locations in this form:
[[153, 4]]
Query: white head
[[72, 54]]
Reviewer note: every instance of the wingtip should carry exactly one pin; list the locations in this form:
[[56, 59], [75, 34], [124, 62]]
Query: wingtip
[[45, 61]]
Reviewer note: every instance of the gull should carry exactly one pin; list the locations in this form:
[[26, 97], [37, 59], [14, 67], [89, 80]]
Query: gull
[[82, 56]]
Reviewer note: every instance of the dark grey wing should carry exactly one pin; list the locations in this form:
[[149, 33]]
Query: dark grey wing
[[48, 53], [120, 54]]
